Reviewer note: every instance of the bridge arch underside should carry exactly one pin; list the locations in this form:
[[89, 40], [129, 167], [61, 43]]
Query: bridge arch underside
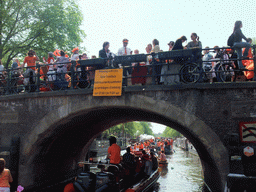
[[59, 148]]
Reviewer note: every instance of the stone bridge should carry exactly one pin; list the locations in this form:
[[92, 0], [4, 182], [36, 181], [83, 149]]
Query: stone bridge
[[55, 128]]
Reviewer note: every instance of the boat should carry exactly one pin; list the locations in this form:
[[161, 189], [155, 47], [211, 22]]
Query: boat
[[162, 163], [99, 147], [168, 150], [111, 178]]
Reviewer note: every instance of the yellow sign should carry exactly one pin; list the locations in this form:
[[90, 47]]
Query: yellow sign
[[108, 82]]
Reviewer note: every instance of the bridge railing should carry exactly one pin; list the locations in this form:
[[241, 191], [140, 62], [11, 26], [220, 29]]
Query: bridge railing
[[170, 67]]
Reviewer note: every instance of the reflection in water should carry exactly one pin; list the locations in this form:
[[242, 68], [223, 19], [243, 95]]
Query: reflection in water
[[183, 173], [163, 170]]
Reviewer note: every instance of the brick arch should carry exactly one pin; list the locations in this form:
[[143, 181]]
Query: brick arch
[[70, 121]]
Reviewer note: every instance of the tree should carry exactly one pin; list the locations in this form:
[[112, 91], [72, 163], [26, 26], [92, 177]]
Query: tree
[[254, 41], [169, 132], [146, 128], [134, 129], [42, 25]]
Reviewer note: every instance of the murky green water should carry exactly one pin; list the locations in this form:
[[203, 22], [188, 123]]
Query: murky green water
[[183, 173]]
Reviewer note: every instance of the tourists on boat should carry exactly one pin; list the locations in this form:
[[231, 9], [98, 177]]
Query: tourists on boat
[[128, 158], [129, 165], [141, 147], [138, 168], [147, 163], [162, 157], [114, 151], [154, 161]]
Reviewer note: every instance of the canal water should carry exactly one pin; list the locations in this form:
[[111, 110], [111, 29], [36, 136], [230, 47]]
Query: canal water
[[183, 173]]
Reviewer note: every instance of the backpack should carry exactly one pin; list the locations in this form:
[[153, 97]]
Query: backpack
[[231, 40]]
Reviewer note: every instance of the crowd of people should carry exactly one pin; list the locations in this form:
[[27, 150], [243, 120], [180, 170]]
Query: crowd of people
[[141, 158], [58, 64]]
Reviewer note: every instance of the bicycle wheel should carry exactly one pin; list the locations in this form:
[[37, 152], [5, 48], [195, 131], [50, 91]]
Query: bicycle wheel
[[224, 73], [190, 73]]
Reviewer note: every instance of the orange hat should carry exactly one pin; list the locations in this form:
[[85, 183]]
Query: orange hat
[[56, 52], [75, 49]]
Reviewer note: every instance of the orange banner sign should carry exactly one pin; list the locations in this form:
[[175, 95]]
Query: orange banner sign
[[108, 82]]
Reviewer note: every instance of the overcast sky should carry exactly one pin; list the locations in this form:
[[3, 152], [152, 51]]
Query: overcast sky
[[141, 21]]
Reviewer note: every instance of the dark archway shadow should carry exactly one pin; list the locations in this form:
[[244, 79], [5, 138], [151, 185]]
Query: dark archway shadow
[[60, 147]]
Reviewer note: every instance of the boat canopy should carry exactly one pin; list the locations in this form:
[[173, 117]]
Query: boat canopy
[[146, 137]]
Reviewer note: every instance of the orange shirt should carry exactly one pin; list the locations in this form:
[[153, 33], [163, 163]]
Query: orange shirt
[[171, 141], [114, 151], [141, 146], [6, 178], [69, 188], [31, 61]]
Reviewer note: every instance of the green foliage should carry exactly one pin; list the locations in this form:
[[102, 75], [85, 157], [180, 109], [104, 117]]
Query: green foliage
[[134, 129], [42, 25], [146, 128], [169, 132], [254, 41]]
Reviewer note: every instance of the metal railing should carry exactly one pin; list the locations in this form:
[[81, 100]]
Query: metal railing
[[179, 66]]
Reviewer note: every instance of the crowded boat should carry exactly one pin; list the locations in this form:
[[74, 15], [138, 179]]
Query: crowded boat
[[135, 170]]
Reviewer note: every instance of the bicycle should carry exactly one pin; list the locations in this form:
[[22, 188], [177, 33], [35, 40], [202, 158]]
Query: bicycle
[[190, 73]]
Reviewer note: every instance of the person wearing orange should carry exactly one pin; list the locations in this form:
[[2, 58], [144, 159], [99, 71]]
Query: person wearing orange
[[249, 74], [135, 147], [171, 142], [162, 147], [249, 64], [30, 60], [69, 188], [5, 177], [114, 151], [250, 56], [141, 147]]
